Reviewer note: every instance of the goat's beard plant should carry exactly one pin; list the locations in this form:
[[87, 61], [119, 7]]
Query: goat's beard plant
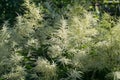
[[64, 51], [71, 42]]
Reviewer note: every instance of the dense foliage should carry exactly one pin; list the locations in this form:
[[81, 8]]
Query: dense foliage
[[57, 40]]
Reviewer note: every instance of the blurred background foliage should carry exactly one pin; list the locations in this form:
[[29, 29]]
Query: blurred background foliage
[[10, 9]]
